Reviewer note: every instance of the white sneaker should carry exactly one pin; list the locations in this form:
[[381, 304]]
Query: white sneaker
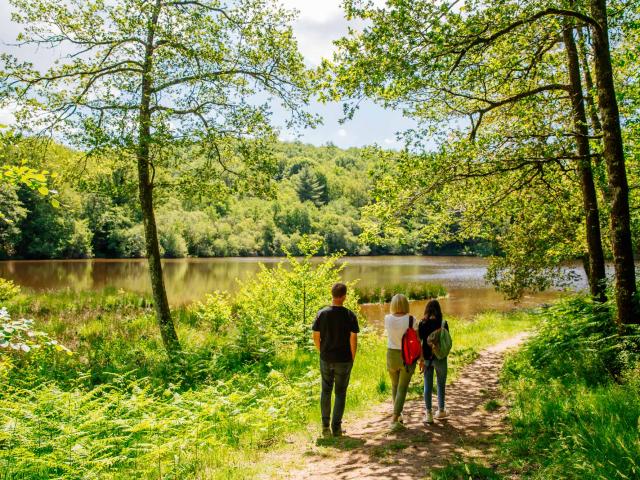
[[440, 414], [428, 417]]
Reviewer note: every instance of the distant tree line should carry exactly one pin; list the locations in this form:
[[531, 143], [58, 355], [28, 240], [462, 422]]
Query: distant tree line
[[317, 191]]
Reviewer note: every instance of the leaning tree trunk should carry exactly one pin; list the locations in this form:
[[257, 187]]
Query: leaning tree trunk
[[596, 270], [614, 158], [145, 183]]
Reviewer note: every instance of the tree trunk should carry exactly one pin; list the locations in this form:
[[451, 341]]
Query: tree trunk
[[145, 183], [596, 125], [596, 272], [614, 158]]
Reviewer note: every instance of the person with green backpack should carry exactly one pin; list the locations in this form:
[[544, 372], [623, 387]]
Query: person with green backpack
[[436, 345]]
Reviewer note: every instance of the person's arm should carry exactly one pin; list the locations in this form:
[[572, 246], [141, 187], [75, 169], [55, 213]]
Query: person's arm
[[353, 341], [316, 339]]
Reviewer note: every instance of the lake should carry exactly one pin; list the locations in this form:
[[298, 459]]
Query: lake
[[189, 279]]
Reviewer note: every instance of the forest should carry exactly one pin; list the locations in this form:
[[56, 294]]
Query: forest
[[313, 191], [154, 133]]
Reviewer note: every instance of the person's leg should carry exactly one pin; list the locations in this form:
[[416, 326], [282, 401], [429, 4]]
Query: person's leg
[[428, 386], [403, 386], [327, 374], [441, 378], [342, 375], [394, 373]]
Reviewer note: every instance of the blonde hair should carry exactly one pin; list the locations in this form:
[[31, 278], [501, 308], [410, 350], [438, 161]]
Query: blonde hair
[[399, 304]]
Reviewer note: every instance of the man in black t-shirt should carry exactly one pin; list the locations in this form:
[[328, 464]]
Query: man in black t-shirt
[[335, 333]]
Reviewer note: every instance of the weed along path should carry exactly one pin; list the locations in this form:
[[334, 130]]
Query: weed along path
[[371, 450]]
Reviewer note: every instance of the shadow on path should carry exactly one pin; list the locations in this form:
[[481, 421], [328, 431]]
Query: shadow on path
[[372, 450]]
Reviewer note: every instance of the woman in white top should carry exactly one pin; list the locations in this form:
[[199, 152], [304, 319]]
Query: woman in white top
[[396, 324]]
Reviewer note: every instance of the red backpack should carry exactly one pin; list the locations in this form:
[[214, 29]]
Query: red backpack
[[411, 347]]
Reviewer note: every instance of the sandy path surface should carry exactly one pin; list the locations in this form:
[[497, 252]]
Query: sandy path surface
[[370, 450]]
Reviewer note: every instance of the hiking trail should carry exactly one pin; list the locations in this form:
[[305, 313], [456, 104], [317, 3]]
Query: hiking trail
[[371, 450]]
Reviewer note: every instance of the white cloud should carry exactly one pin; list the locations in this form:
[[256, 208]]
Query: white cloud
[[342, 133], [320, 12], [6, 116], [317, 26]]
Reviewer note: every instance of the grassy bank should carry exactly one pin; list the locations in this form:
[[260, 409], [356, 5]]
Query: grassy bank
[[117, 409], [574, 390]]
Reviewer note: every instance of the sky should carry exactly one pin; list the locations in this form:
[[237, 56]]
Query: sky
[[319, 23]]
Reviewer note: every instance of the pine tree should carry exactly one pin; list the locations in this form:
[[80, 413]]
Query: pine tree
[[311, 188]]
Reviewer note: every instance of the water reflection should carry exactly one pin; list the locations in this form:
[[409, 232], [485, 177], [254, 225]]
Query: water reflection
[[190, 279]]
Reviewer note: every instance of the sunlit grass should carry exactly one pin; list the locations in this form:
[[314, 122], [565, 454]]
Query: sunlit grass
[[413, 291], [116, 409]]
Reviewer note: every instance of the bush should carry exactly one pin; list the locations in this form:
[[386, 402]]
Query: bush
[[215, 311], [8, 290], [279, 305], [129, 242], [173, 244], [19, 336], [578, 338], [78, 245]]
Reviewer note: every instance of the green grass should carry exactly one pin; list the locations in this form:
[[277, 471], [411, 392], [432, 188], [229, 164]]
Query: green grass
[[464, 470], [116, 409], [413, 291], [574, 394], [575, 390], [492, 405]]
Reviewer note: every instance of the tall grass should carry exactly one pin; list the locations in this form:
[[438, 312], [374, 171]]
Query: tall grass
[[575, 401], [576, 397], [413, 291], [117, 410]]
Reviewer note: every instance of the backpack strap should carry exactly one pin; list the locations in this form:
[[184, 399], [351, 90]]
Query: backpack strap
[[410, 321]]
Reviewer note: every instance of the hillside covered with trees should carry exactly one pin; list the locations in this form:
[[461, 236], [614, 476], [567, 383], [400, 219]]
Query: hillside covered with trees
[[314, 191]]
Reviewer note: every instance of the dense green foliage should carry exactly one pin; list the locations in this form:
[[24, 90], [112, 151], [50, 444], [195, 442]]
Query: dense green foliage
[[493, 156], [16, 173], [117, 408], [576, 395], [101, 217]]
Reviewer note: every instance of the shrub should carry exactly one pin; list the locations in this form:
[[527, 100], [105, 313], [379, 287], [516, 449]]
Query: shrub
[[173, 244], [578, 338], [8, 290], [215, 311], [278, 306], [129, 242], [78, 245], [576, 398]]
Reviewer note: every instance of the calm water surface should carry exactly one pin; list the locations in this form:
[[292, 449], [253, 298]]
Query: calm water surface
[[190, 279]]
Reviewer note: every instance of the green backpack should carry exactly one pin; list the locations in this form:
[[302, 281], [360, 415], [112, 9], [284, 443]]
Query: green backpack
[[440, 342]]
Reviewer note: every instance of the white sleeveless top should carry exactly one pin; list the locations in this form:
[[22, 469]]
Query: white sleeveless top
[[395, 327]]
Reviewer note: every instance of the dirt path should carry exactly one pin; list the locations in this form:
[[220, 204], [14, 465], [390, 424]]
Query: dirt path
[[371, 450]]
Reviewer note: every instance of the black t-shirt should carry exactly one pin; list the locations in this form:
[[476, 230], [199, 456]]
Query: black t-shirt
[[426, 328], [335, 325]]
